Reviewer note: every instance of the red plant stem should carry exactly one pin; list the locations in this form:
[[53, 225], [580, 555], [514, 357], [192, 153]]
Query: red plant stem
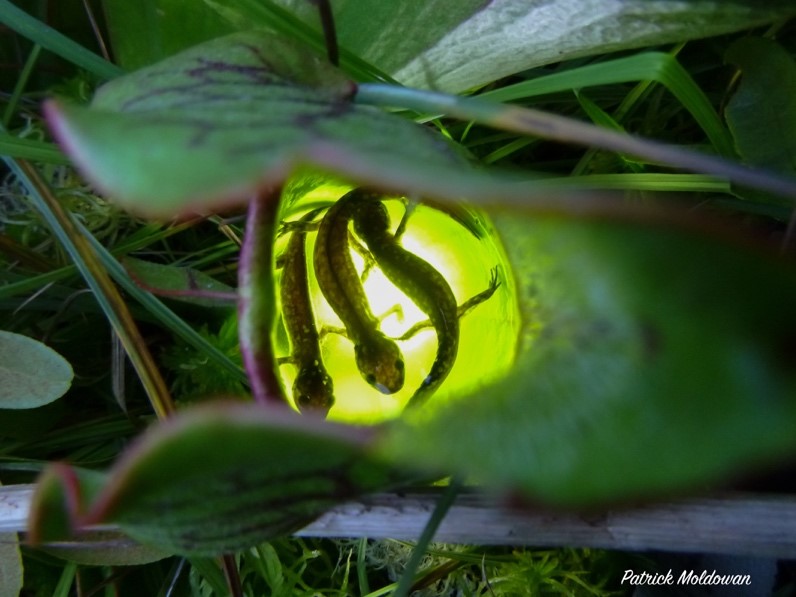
[[232, 575], [257, 298]]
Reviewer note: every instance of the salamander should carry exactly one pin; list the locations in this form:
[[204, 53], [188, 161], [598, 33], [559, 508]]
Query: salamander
[[418, 279], [313, 388], [378, 358]]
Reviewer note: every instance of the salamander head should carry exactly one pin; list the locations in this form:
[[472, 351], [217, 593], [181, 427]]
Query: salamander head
[[313, 390], [381, 364]]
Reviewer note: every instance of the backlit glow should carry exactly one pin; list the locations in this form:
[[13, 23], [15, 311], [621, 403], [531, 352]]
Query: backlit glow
[[487, 335]]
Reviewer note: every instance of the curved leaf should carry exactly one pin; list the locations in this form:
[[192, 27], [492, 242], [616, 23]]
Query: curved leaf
[[655, 358], [762, 113], [218, 122], [149, 30], [458, 45], [181, 283], [31, 373], [224, 121], [220, 478], [450, 45], [61, 497]]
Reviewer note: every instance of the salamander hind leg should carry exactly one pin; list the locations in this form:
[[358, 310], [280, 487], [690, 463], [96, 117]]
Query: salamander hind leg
[[474, 301], [461, 310]]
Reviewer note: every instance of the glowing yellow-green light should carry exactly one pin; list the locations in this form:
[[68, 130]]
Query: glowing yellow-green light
[[487, 333]]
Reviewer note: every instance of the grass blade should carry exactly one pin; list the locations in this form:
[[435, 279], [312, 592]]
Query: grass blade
[[50, 39], [161, 312], [31, 149], [443, 505], [655, 66], [20, 85], [96, 277]]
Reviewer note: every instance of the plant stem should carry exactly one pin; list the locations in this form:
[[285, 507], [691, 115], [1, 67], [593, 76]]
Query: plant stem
[[558, 128], [256, 297]]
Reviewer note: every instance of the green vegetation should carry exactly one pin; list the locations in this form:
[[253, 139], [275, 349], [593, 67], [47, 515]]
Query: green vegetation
[[596, 233]]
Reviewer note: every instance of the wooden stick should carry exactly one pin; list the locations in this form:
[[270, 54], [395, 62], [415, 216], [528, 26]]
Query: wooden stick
[[731, 524], [738, 524]]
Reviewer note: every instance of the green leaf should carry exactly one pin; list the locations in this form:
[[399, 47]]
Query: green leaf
[[147, 31], [31, 373], [226, 477], [762, 113], [11, 571], [654, 359], [360, 38], [451, 45], [216, 123], [181, 283], [224, 121], [60, 500], [458, 45]]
